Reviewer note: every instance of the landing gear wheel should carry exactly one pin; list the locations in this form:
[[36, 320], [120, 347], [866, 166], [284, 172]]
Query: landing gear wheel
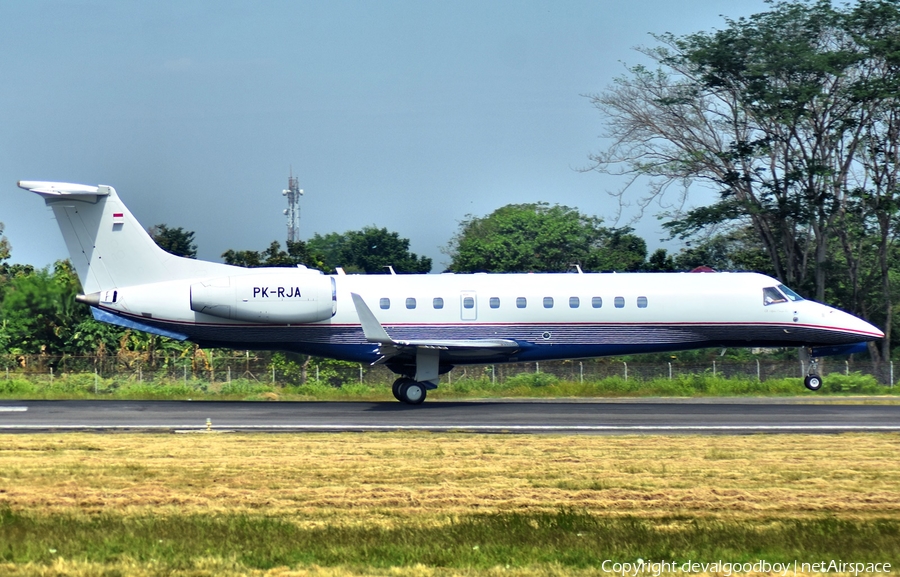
[[395, 388], [411, 392], [813, 382]]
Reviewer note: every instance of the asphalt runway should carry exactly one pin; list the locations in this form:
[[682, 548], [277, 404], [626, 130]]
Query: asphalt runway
[[644, 416]]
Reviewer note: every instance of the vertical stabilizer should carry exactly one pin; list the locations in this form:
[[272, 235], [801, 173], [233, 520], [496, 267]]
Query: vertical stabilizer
[[107, 246]]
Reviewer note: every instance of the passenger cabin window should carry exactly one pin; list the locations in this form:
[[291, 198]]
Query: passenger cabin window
[[642, 302], [574, 303], [410, 303], [521, 302], [548, 302], [385, 303], [619, 302], [771, 296], [468, 302], [438, 302], [495, 302], [596, 302]]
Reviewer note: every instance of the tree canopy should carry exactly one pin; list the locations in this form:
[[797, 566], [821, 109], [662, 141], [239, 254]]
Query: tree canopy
[[4, 245], [298, 252], [177, 241], [38, 311], [370, 250], [792, 115], [541, 238]]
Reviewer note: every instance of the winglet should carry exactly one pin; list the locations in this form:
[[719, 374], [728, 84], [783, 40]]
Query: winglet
[[373, 330]]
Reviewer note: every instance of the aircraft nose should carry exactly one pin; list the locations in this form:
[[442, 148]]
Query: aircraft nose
[[876, 332], [856, 326]]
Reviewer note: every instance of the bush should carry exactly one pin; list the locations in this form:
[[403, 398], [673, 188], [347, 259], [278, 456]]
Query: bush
[[17, 387], [852, 383], [532, 380]]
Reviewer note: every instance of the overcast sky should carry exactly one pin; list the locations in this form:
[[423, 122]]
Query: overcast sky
[[400, 114]]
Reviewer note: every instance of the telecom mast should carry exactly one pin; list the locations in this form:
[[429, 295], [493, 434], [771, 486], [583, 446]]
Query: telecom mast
[[293, 193]]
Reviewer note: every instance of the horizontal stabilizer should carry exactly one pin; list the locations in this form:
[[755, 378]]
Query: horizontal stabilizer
[[52, 190]]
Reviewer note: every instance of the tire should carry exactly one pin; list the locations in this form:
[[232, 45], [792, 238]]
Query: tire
[[395, 388], [412, 392], [813, 382]]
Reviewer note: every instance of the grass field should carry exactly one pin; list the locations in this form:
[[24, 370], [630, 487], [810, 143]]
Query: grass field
[[438, 504]]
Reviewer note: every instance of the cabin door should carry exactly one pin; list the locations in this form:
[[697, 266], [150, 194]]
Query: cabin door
[[468, 306]]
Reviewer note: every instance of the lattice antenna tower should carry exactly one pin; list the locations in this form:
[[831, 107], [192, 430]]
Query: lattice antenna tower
[[293, 193]]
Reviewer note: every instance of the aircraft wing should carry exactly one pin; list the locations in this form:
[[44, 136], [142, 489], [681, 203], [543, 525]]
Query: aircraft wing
[[426, 350]]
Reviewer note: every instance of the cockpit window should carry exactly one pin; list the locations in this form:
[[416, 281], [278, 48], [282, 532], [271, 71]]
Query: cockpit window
[[789, 293], [771, 296]]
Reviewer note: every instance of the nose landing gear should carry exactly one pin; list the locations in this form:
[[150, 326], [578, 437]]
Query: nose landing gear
[[813, 381]]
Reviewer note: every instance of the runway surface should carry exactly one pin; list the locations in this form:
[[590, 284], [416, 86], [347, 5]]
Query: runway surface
[[644, 416]]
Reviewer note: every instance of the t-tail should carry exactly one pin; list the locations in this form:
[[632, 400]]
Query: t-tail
[[108, 247]]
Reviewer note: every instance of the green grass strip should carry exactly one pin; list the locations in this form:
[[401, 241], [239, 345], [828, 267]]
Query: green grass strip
[[527, 385], [567, 538]]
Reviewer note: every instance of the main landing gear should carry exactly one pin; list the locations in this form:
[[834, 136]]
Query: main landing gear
[[813, 381], [409, 391]]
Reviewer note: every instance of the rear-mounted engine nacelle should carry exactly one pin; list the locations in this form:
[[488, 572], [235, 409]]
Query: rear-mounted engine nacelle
[[273, 297]]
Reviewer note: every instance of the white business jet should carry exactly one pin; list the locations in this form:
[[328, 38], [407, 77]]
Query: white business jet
[[421, 326]]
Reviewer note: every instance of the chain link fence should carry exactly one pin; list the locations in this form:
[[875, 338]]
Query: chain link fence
[[225, 366]]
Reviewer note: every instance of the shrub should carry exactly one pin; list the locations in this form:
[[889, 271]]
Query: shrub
[[852, 383], [532, 380], [17, 387]]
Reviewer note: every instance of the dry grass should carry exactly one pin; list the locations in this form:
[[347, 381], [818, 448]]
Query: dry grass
[[415, 479], [390, 478]]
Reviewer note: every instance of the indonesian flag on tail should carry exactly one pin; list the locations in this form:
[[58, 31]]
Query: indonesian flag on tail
[[118, 218]]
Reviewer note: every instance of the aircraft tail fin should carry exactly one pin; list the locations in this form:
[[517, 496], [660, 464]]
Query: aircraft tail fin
[[108, 247]]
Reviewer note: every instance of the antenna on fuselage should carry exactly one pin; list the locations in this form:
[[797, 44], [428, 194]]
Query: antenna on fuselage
[[293, 193]]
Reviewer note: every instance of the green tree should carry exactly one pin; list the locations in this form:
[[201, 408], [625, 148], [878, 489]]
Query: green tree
[[760, 110], [8, 270], [39, 312], [330, 246], [298, 252], [5, 248], [370, 250], [738, 249], [177, 241], [660, 261], [791, 114], [542, 238]]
